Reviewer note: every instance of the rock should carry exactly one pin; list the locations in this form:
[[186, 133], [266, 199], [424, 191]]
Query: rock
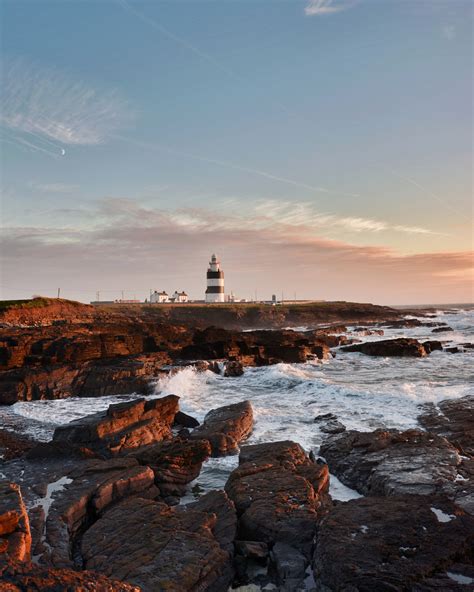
[[333, 427], [13, 445], [325, 417], [279, 494], [15, 535], [62, 509], [233, 369], [175, 463], [252, 550], [226, 427], [441, 329], [225, 528], [390, 544], [186, 421], [402, 347], [153, 546], [394, 463], [452, 350], [32, 578], [453, 419], [431, 346], [123, 426], [290, 567]]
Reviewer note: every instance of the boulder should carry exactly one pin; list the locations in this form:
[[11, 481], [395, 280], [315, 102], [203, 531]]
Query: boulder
[[431, 346], [185, 421], [279, 493], [123, 426], [333, 427], [15, 536], [233, 368], [402, 347], [389, 544], [441, 329], [388, 462], [175, 463], [453, 419], [225, 427], [155, 547]]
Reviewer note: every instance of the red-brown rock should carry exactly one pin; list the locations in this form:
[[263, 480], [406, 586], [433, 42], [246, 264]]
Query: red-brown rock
[[15, 536]]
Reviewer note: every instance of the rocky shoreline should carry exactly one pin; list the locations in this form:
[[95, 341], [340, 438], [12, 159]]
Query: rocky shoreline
[[101, 506]]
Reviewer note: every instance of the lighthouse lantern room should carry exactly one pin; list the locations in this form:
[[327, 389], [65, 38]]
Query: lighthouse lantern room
[[215, 281]]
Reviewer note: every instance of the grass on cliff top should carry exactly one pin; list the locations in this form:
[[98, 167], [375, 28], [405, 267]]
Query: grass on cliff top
[[36, 302]]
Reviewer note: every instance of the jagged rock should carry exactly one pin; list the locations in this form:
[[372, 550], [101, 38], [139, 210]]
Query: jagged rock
[[403, 347], [390, 544], [395, 463], [333, 427], [15, 535], [185, 420], [233, 369], [225, 528], [75, 501], [175, 463], [252, 549], [452, 350], [279, 493], [441, 329], [153, 546], [32, 578], [123, 426], [325, 417], [431, 346], [225, 427], [453, 419], [290, 567]]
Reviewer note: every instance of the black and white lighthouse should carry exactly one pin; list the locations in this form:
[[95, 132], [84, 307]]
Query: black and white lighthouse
[[215, 281]]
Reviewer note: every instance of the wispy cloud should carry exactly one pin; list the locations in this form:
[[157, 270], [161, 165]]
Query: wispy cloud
[[130, 244], [325, 7], [54, 187], [45, 108]]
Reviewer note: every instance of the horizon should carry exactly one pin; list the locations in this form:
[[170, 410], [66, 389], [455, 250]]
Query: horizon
[[322, 148]]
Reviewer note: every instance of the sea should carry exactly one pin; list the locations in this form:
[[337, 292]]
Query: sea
[[365, 393]]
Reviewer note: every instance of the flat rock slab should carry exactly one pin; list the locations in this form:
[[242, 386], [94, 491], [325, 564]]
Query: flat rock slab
[[225, 427], [390, 544], [453, 419], [151, 545], [123, 427], [395, 463], [402, 347]]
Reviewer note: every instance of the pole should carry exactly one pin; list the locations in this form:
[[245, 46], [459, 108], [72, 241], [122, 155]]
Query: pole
[[59, 291]]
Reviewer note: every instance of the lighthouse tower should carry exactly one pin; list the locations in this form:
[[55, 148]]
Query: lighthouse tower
[[215, 281]]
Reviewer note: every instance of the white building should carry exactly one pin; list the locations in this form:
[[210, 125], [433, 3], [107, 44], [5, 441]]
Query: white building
[[179, 297], [215, 281], [158, 297]]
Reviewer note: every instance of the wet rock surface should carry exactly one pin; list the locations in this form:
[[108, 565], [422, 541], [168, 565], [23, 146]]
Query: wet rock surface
[[453, 419], [175, 464], [124, 426], [390, 544], [403, 347], [388, 462], [172, 550], [226, 427], [279, 495]]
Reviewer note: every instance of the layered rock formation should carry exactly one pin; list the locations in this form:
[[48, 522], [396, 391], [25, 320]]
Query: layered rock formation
[[389, 347], [226, 427], [124, 426]]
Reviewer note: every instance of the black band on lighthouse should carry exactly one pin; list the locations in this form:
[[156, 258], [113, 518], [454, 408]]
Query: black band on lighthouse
[[215, 275], [215, 290]]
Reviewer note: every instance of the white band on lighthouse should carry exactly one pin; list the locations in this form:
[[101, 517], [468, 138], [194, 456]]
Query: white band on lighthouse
[[215, 282]]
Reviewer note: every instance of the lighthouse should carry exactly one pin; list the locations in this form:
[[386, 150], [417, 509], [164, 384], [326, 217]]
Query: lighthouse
[[215, 281]]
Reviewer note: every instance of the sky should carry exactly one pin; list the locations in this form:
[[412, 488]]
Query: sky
[[322, 148]]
